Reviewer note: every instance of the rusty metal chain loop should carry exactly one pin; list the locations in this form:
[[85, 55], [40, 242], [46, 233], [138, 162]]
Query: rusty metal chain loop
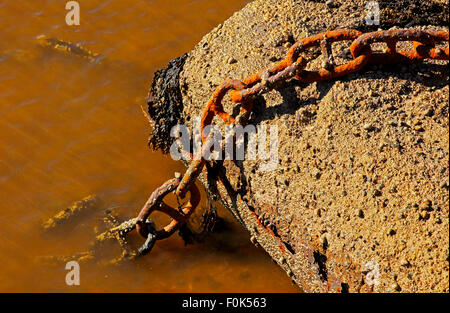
[[155, 203], [292, 67]]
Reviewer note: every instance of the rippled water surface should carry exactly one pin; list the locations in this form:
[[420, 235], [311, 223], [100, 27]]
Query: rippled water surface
[[70, 128]]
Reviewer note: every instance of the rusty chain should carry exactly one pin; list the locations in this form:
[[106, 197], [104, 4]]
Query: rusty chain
[[292, 67]]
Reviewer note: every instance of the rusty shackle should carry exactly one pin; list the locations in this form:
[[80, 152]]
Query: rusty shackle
[[155, 203]]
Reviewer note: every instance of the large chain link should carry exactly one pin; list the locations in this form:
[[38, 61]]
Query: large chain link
[[292, 67]]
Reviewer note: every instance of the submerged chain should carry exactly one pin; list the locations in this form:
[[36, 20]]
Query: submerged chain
[[292, 67]]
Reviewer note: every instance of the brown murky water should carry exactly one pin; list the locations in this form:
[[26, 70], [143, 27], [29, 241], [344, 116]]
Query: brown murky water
[[70, 128]]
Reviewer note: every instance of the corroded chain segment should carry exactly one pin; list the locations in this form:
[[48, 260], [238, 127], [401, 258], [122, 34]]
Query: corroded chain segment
[[423, 45], [155, 203]]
